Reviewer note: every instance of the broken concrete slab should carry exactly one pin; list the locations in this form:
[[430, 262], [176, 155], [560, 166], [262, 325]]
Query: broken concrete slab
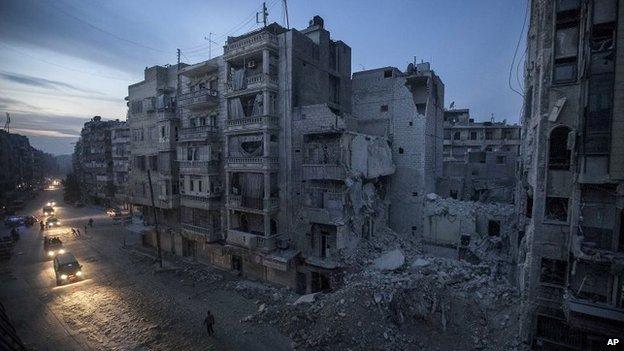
[[309, 298], [390, 260]]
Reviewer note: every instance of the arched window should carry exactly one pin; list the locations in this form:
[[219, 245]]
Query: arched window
[[558, 153], [456, 136]]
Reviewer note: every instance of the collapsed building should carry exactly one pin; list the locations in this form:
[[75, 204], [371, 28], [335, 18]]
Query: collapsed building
[[408, 109], [570, 196], [479, 158], [260, 167]]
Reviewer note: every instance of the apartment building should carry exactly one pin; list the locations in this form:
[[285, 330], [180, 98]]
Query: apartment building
[[120, 153], [93, 161], [154, 126], [570, 194], [407, 108], [479, 158]]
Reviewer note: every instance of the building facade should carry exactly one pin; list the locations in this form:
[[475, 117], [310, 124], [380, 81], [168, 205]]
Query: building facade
[[479, 158], [570, 194], [120, 153], [407, 108]]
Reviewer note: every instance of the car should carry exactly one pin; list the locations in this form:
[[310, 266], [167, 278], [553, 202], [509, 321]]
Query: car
[[67, 269], [48, 210], [51, 203], [53, 246], [30, 220], [14, 221], [53, 222]]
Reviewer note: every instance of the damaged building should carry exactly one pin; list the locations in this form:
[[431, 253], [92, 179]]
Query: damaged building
[[479, 158], [407, 108], [570, 196]]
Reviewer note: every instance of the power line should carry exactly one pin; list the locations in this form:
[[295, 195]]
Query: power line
[[526, 14], [51, 4]]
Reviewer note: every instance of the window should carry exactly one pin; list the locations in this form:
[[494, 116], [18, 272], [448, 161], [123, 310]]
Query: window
[[199, 186], [501, 160], [411, 123], [400, 150], [529, 207], [136, 106], [558, 153], [384, 108], [473, 135], [553, 271], [457, 136], [454, 194], [388, 73], [192, 185], [140, 162], [493, 228], [489, 135], [566, 41], [556, 209], [153, 161]]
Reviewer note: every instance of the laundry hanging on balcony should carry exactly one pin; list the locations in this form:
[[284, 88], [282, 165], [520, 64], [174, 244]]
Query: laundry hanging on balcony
[[239, 81]]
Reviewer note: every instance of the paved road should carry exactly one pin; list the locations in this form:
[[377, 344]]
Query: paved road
[[124, 303]]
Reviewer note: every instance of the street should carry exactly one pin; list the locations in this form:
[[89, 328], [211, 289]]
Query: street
[[124, 301]]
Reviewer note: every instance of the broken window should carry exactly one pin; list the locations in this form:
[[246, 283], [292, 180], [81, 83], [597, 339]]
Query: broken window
[[140, 162], [566, 41], [457, 136], [501, 160], [489, 135], [473, 135], [388, 73], [334, 89], [493, 228], [558, 154], [553, 271], [384, 108], [400, 150], [556, 208], [529, 207], [454, 194]]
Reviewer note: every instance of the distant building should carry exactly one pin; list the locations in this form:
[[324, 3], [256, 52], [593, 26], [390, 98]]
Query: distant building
[[120, 152], [479, 158], [93, 161], [407, 108]]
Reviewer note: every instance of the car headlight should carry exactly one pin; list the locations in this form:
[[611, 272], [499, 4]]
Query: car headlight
[[79, 273], [50, 253], [63, 276], [61, 251]]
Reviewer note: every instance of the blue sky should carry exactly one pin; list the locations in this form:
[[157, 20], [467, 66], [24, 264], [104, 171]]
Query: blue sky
[[63, 61]]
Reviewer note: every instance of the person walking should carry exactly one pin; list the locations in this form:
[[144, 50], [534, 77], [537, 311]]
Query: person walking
[[85, 228], [209, 322], [91, 222]]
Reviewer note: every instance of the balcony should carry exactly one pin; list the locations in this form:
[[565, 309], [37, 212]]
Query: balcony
[[202, 98], [243, 163], [249, 123], [199, 133], [207, 202], [257, 205], [590, 315], [325, 206], [323, 171], [211, 234], [250, 43], [254, 81], [199, 167], [267, 243], [162, 116], [243, 239]]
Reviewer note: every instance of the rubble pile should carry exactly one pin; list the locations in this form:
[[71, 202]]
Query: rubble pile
[[260, 292], [383, 240], [425, 303]]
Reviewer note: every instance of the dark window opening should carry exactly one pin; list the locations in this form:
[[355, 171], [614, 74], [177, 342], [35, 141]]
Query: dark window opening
[[553, 271], [414, 193], [473, 135], [411, 123], [621, 238], [557, 209], [153, 161], [493, 228], [559, 155], [388, 73], [456, 136], [400, 150], [320, 282], [383, 108], [501, 160], [453, 194], [529, 207]]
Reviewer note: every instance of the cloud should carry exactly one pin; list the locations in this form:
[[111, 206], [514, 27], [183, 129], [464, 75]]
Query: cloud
[[13, 104], [41, 82], [49, 133]]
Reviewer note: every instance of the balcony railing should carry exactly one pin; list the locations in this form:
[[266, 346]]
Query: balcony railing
[[253, 160], [199, 167], [209, 201], [323, 171], [253, 203], [260, 121], [250, 42], [197, 133], [241, 238], [211, 234], [199, 99]]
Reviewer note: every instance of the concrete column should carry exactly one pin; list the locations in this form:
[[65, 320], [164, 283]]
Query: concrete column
[[267, 203], [266, 140], [265, 62], [227, 74], [267, 224], [265, 102], [227, 199]]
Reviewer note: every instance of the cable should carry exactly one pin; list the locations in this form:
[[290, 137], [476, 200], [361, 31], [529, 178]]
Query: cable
[[49, 3], [60, 66], [526, 15]]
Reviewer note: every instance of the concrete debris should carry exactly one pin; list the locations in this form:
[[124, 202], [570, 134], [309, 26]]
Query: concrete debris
[[306, 299], [390, 260]]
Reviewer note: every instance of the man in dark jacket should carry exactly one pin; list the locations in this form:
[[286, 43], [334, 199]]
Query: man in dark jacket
[[209, 322]]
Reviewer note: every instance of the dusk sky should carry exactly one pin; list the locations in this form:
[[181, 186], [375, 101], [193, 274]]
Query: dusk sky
[[64, 61]]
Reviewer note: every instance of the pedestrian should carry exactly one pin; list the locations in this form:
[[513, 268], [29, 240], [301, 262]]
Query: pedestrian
[[41, 226], [91, 222], [85, 228], [209, 322]]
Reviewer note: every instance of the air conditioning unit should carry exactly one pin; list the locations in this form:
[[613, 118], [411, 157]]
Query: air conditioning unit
[[251, 64]]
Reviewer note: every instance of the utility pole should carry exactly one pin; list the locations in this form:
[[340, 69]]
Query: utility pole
[[286, 14], [210, 42], [265, 14], [149, 178], [7, 125]]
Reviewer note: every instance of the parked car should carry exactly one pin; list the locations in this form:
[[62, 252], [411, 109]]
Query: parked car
[[14, 221], [48, 210], [51, 203], [30, 220], [67, 269], [53, 222], [53, 246]]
